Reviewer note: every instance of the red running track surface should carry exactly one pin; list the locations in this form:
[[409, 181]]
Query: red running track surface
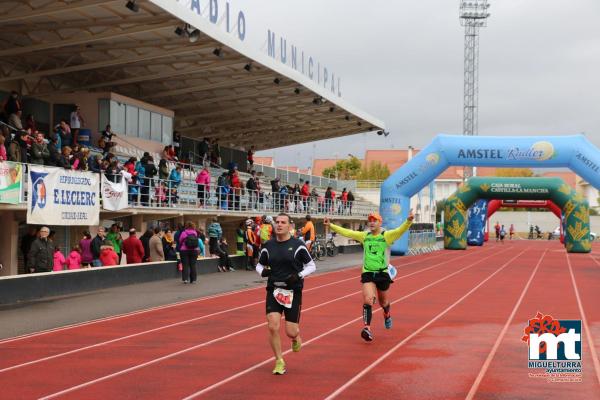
[[458, 322]]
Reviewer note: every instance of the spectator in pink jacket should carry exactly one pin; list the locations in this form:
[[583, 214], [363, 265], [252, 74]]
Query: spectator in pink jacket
[[203, 181], [59, 260], [3, 156], [74, 259]]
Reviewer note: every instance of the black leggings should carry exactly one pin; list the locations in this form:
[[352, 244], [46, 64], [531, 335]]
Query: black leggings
[[188, 259]]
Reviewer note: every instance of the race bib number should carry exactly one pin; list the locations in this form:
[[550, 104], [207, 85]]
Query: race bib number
[[284, 297], [392, 271]]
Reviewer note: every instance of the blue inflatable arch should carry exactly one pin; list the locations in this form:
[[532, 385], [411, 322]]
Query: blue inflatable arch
[[574, 152]]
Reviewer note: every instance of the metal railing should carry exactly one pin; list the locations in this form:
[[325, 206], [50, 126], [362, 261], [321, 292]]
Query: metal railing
[[420, 242], [145, 192]]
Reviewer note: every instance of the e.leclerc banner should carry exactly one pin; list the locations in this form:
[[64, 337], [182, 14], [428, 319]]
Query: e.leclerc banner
[[10, 182], [62, 197]]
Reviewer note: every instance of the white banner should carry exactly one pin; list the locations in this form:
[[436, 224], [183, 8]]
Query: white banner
[[58, 196], [114, 195]]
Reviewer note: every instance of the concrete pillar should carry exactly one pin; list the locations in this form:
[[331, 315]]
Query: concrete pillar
[[9, 244], [137, 221]]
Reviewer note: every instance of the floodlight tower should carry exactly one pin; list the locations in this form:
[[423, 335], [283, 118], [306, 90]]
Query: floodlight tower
[[473, 14]]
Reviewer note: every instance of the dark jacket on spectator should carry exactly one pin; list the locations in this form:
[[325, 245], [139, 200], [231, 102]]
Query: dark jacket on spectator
[[39, 153], [145, 239], [93, 165], [97, 243], [63, 162], [41, 255]]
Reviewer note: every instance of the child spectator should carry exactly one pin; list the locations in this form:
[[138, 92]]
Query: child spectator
[[161, 195], [59, 260], [74, 259], [3, 155], [108, 256], [224, 260]]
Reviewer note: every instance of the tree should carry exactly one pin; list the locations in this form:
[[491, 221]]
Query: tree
[[514, 172], [375, 171], [344, 169]]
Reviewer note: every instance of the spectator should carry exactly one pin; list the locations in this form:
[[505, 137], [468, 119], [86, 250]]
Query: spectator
[[156, 248], [59, 260], [204, 151], [163, 170], [175, 176], [239, 239], [251, 158], [74, 259], [85, 244], [169, 246], [223, 189], [108, 257], [116, 239], [94, 164], [39, 150], [166, 154], [64, 133], [30, 124], [3, 155], [343, 201], [54, 153], [176, 142], [150, 172], [202, 237], [107, 136], [178, 232], [13, 104], [350, 201], [41, 253], [77, 122], [189, 245], [236, 192], [305, 193], [96, 247], [215, 232], [215, 153], [133, 248], [296, 195], [27, 240], [14, 120], [203, 182], [113, 172], [251, 240], [328, 199], [161, 194], [252, 190], [275, 196], [145, 239], [224, 260]]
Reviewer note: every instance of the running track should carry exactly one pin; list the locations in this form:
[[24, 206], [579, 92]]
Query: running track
[[458, 322]]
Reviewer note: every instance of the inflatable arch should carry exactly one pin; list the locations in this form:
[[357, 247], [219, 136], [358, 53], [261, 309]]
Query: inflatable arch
[[574, 207], [574, 152]]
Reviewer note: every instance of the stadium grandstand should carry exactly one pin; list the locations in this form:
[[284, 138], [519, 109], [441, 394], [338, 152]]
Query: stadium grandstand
[[152, 93]]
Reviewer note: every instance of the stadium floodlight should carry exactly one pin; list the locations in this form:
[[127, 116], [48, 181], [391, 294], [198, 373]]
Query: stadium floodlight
[[248, 67], [331, 109], [218, 52], [277, 81], [193, 34], [179, 31], [131, 4], [297, 90]]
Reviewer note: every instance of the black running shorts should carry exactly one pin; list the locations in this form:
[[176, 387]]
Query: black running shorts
[[291, 314], [381, 279]]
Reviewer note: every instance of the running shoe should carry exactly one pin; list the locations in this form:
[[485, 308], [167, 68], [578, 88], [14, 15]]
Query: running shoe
[[387, 321], [296, 345], [366, 334], [279, 367]]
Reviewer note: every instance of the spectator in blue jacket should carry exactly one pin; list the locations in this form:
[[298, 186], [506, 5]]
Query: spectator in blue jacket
[[215, 232]]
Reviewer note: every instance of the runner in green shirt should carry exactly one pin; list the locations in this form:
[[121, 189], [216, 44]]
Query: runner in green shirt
[[375, 276]]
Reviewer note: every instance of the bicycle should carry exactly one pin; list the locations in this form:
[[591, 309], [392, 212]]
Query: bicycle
[[330, 247], [317, 250]]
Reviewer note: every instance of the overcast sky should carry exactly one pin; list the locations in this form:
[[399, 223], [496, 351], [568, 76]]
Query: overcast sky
[[402, 62]]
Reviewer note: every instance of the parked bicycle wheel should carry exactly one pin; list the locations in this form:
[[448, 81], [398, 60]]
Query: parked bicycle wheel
[[332, 249], [320, 250]]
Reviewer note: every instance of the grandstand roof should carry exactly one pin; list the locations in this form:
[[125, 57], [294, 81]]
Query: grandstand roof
[[218, 86]]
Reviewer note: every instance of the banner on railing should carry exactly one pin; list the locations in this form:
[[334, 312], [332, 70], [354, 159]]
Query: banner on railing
[[114, 195], [62, 197], [10, 182]]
